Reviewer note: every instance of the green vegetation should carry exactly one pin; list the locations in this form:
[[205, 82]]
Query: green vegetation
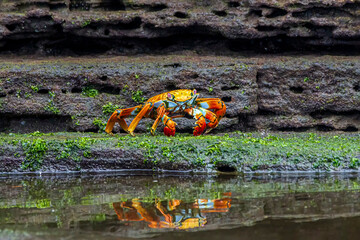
[[100, 123], [89, 92], [238, 150], [137, 96], [36, 134], [311, 151], [109, 108], [18, 94], [34, 153], [72, 148], [34, 88], [28, 95], [76, 120], [51, 105], [37, 145], [86, 23], [125, 88]]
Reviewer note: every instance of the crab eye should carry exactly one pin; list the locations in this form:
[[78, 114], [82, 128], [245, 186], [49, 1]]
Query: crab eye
[[194, 91], [170, 96]]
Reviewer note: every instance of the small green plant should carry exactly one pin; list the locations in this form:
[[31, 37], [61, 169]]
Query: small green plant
[[28, 95], [211, 89], [137, 96], [85, 23], [125, 88], [65, 154], [52, 94], [76, 120], [36, 133], [74, 149], [34, 88], [18, 93], [100, 124], [89, 92], [109, 108], [354, 163], [34, 153], [51, 105], [306, 79], [87, 154], [136, 76]]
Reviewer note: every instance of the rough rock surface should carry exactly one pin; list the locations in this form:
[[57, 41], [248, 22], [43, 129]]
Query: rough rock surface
[[122, 47], [137, 26], [277, 93]]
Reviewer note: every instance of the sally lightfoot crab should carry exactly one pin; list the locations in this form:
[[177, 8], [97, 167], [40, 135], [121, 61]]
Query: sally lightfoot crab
[[169, 105]]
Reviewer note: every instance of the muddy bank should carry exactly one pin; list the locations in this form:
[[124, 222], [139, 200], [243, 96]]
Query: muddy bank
[[235, 152], [66, 27], [281, 93]]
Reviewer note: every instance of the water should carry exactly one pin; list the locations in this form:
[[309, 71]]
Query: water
[[180, 207]]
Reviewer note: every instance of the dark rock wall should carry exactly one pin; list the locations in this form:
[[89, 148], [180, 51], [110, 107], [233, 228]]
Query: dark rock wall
[[120, 26], [301, 81], [280, 93]]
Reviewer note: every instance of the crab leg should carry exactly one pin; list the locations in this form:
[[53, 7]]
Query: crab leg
[[212, 119], [118, 117], [144, 111], [213, 104], [200, 123], [169, 129], [160, 114]]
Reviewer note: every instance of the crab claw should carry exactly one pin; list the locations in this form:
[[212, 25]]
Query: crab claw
[[169, 132], [169, 129], [200, 126]]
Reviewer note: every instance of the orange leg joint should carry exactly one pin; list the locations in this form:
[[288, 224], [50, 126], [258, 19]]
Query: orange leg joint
[[169, 129], [200, 124]]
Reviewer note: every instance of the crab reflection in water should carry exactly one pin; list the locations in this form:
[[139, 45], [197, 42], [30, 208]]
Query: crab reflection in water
[[172, 213]]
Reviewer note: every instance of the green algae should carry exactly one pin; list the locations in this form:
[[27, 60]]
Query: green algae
[[34, 153], [321, 152], [89, 92], [51, 106], [237, 151], [109, 108]]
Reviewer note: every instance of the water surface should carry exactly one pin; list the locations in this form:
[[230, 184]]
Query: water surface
[[125, 206]]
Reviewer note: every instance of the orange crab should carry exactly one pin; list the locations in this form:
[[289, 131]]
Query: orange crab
[[166, 106]]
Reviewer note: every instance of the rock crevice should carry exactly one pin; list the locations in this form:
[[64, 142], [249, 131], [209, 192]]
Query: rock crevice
[[147, 26]]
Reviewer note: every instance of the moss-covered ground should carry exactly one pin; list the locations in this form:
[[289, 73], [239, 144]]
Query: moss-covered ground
[[228, 152]]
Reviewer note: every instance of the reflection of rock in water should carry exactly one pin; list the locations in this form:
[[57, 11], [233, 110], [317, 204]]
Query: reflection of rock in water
[[171, 214], [87, 204]]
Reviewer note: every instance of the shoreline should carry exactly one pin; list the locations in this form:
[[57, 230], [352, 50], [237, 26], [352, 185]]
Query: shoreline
[[234, 153]]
